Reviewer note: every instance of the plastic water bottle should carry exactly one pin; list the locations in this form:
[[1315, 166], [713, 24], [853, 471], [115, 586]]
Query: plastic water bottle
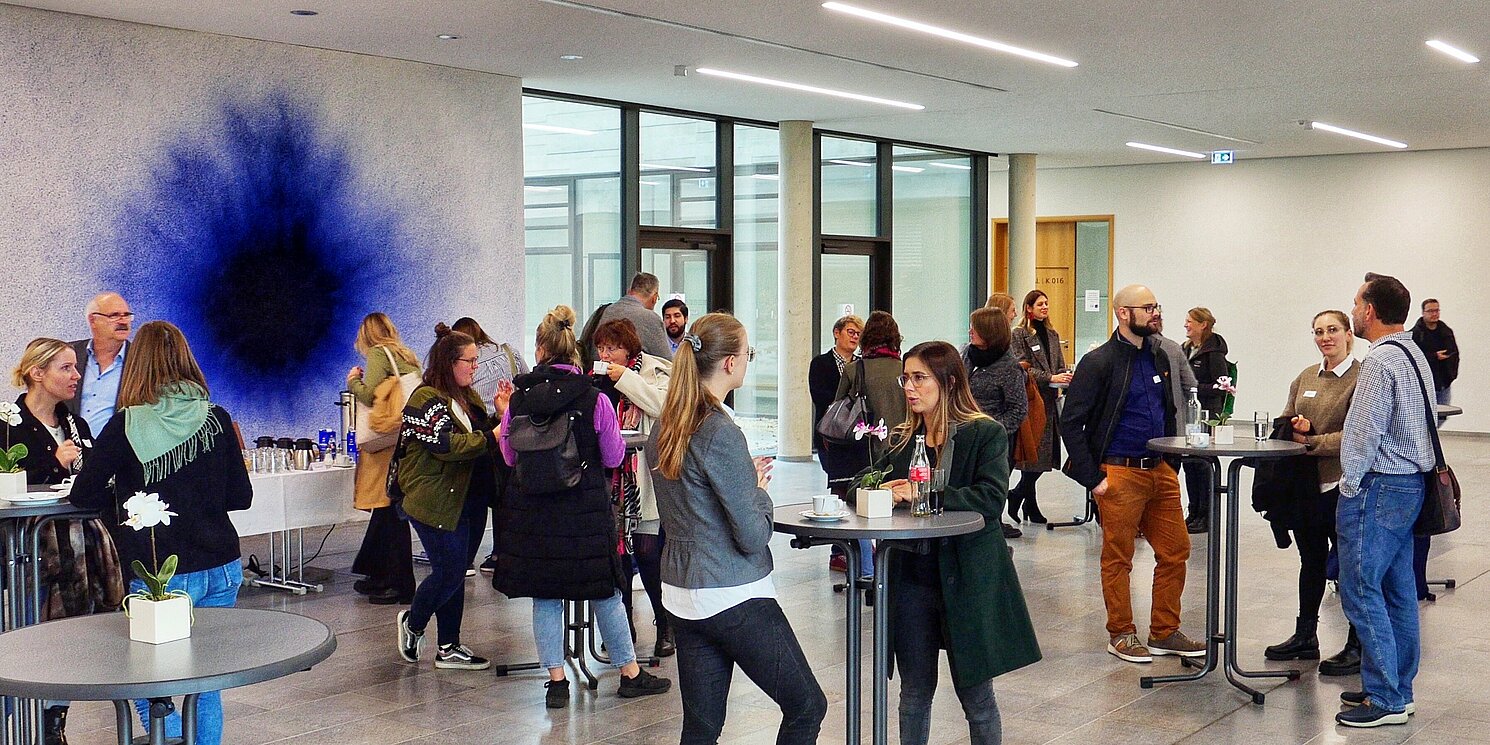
[[920, 478]]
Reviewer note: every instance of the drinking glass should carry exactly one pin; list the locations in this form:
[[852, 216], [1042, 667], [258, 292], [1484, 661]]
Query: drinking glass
[[1262, 425], [938, 488]]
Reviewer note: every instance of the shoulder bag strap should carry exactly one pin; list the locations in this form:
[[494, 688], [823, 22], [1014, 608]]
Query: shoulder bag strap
[[511, 359], [1427, 406], [392, 362]]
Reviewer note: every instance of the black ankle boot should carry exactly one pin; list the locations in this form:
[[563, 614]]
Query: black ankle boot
[[1303, 645], [1015, 498], [665, 646], [55, 721], [1032, 510], [1347, 661]]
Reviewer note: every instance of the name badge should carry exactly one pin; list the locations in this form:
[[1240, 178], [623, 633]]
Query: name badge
[[1310, 394], [1035, 348], [1158, 379]]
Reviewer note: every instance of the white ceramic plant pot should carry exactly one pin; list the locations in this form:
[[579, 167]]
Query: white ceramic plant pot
[[159, 621], [1225, 434], [874, 503], [12, 483]]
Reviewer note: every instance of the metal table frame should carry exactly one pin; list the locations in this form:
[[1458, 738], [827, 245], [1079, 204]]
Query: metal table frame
[[1222, 640], [886, 540], [580, 638]]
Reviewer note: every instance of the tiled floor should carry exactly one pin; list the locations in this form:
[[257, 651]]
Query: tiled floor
[[1078, 694]]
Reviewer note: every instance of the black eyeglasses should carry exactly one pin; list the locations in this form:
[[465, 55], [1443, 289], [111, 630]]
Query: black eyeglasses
[[1152, 309], [115, 316]]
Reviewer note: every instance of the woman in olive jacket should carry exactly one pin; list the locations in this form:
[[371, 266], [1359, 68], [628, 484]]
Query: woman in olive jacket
[[964, 594], [446, 437]]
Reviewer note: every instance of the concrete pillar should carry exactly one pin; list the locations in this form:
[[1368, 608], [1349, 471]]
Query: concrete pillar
[[1021, 225], [795, 289]]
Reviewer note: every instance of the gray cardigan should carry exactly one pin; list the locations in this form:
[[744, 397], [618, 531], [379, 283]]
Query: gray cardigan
[[717, 521], [1180, 385]]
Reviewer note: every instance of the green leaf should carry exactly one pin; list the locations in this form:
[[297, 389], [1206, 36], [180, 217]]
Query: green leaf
[[140, 570], [167, 570]]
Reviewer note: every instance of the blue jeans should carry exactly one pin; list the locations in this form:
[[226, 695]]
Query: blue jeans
[[443, 593], [210, 588], [1445, 397], [610, 616], [1377, 588]]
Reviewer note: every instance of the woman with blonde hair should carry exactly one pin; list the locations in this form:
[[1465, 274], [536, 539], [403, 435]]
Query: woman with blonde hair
[[385, 558], [168, 438], [964, 594], [716, 565], [1038, 347], [80, 571], [556, 537]]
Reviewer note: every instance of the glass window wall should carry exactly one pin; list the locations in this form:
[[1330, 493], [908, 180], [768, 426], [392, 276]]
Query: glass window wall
[[757, 158], [931, 244], [678, 171], [849, 187]]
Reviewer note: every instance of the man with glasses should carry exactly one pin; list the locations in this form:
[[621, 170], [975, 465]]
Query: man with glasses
[[101, 359], [1120, 397]]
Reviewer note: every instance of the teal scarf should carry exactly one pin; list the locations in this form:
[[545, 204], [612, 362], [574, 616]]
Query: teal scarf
[[171, 432]]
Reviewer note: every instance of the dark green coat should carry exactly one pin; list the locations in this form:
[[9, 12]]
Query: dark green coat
[[436, 455], [987, 622]]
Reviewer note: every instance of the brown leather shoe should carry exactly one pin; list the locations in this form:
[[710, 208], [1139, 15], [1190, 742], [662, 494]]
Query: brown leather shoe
[[1177, 644]]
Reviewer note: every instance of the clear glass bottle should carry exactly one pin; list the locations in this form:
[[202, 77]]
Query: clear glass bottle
[[1194, 421], [920, 478]]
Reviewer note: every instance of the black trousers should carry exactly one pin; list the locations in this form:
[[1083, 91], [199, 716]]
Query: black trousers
[[1314, 553], [386, 557], [756, 636], [919, 621]]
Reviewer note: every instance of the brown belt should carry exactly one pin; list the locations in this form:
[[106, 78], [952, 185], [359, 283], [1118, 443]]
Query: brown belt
[[1147, 464]]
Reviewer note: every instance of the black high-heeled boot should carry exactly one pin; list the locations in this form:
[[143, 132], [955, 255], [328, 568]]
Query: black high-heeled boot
[[1016, 497], [54, 731], [1032, 510], [1347, 661], [1303, 645]]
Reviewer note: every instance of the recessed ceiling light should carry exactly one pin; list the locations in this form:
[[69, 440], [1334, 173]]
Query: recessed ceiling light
[[655, 167], [859, 163], [1453, 51], [305, 12], [1352, 133], [447, 37], [570, 57], [560, 130], [1168, 150], [957, 166], [907, 169], [945, 33], [808, 88]]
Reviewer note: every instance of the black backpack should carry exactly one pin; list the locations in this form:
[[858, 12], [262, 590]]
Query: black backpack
[[548, 456]]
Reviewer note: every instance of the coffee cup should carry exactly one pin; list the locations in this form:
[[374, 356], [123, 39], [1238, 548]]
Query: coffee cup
[[827, 504], [601, 367]]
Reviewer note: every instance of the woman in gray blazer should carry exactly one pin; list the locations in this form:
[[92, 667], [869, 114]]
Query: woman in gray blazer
[[716, 563], [1038, 347]]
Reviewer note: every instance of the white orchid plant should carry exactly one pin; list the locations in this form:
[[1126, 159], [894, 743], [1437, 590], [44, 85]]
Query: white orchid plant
[[1226, 385], [12, 455], [144, 512]]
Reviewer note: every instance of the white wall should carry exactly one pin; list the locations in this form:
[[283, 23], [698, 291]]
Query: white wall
[[1265, 244], [96, 114]]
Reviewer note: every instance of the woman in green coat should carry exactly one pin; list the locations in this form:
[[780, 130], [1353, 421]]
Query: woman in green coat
[[962, 596]]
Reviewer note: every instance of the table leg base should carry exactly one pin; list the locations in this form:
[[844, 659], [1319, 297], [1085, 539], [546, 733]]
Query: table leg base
[[1091, 514]]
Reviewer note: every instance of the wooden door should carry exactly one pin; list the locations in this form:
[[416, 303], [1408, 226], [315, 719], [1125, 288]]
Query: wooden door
[[1055, 273]]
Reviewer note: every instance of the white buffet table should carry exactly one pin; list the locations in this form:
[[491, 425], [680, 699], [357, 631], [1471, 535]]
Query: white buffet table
[[284, 505]]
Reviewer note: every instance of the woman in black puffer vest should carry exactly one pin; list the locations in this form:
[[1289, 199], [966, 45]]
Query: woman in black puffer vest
[[558, 543]]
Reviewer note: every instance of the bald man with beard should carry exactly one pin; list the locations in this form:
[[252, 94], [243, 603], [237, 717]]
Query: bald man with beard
[[1120, 398]]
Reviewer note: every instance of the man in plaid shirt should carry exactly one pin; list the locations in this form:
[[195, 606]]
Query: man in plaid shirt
[[1385, 449]]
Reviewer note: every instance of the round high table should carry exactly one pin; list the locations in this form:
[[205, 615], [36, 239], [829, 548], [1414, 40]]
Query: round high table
[[91, 658], [1446, 410], [1091, 504], [1244, 452], [899, 531]]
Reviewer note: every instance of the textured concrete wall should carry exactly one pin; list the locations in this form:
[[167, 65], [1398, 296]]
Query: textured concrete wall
[[131, 156]]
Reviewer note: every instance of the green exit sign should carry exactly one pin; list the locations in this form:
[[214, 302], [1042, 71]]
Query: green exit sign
[[1221, 157]]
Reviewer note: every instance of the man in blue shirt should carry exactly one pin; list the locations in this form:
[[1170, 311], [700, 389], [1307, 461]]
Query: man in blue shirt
[[1121, 397], [101, 359]]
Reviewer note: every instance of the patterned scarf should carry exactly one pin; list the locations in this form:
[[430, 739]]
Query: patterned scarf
[[624, 491]]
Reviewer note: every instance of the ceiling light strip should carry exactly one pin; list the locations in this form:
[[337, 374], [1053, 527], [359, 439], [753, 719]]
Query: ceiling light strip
[[808, 88], [907, 169], [557, 129], [946, 33], [1355, 134], [856, 163], [1452, 51], [655, 167], [1179, 127], [1168, 150], [953, 166]]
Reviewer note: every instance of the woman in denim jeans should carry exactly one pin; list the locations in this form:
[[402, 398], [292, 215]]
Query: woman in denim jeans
[[716, 564], [168, 438]]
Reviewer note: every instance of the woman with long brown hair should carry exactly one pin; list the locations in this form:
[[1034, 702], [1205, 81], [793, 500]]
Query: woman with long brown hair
[[964, 594], [167, 437], [1038, 347], [716, 565], [384, 559]]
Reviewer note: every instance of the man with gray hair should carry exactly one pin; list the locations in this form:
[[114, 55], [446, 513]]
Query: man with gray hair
[[101, 359], [636, 306]]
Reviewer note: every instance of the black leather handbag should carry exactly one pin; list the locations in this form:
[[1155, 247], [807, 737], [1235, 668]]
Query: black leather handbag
[[838, 422]]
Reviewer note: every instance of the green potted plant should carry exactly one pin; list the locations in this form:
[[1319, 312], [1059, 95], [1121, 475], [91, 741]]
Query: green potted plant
[[156, 615], [12, 476]]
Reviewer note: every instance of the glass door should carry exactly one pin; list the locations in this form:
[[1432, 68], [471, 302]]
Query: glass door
[[681, 272], [853, 279]]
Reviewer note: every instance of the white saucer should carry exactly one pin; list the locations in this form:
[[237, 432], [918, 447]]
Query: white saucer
[[35, 498], [64, 486], [829, 518]]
